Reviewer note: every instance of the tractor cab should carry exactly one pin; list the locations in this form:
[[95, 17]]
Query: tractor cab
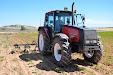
[[58, 18]]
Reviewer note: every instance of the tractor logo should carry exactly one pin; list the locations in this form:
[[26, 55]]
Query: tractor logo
[[74, 34]]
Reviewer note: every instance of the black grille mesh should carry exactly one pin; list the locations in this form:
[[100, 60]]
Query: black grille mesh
[[90, 34]]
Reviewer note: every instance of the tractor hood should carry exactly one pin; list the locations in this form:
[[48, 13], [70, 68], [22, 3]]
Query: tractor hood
[[83, 28], [83, 34], [89, 33]]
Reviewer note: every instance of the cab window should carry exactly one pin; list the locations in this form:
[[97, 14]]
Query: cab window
[[50, 20], [61, 19]]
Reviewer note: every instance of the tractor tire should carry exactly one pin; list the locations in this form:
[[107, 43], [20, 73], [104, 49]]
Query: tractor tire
[[94, 56], [43, 43], [61, 52]]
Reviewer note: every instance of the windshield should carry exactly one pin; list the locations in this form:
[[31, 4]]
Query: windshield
[[61, 18], [66, 19], [78, 20]]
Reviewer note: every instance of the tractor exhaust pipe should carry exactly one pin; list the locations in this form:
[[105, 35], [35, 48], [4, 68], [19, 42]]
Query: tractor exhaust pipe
[[72, 13]]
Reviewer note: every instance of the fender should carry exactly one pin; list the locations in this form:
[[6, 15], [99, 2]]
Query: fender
[[45, 29], [62, 36], [40, 28]]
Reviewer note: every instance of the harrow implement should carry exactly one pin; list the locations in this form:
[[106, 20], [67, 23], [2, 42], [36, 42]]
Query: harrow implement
[[26, 46]]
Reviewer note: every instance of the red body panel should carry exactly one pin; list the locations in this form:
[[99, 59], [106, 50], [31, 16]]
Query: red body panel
[[72, 33]]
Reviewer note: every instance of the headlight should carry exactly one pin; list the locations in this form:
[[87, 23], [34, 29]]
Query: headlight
[[94, 41], [87, 41], [90, 41]]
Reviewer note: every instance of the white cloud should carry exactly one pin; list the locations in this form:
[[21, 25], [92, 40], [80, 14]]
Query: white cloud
[[99, 23]]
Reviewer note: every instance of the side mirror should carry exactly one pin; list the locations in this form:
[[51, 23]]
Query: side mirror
[[83, 18], [68, 20]]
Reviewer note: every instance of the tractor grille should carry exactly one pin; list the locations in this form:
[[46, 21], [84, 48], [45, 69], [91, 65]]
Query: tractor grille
[[90, 34]]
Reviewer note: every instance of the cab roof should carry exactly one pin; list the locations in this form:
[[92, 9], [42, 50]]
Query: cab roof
[[57, 11]]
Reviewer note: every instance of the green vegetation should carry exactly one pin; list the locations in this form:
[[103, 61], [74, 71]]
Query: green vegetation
[[79, 68], [72, 57], [28, 38], [28, 59], [30, 62], [14, 59], [91, 72], [20, 73], [101, 67], [5, 41], [12, 52], [1, 58], [57, 69], [107, 42], [22, 28], [15, 68], [22, 52]]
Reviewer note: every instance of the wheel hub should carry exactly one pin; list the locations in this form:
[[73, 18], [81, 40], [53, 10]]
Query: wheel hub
[[57, 52], [41, 42], [89, 54]]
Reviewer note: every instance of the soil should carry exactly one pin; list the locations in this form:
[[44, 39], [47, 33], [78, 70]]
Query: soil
[[104, 29], [33, 63]]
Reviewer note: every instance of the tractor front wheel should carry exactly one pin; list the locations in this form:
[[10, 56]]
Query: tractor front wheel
[[61, 51], [94, 56]]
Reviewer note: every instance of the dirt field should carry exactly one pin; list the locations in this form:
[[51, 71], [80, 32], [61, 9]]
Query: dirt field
[[33, 63], [104, 29]]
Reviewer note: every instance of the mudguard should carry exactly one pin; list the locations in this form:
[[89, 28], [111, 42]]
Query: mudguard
[[46, 31], [40, 28], [62, 36]]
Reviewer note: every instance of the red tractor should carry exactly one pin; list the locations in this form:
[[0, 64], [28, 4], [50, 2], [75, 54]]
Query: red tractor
[[64, 33]]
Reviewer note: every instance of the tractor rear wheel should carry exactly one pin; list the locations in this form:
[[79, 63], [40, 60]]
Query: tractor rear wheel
[[94, 56], [43, 43], [61, 51]]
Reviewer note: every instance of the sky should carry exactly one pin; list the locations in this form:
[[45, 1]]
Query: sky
[[98, 13]]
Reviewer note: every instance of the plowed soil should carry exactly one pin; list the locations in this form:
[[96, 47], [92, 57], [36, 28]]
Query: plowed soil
[[32, 63]]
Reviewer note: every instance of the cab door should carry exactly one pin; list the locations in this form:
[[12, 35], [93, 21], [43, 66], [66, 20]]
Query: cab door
[[50, 21], [49, 24]]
